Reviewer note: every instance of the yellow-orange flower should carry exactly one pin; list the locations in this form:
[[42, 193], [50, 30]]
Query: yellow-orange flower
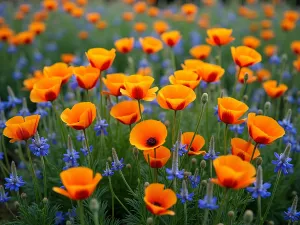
[[140, 27], [263, 74], [200, 51], [6, 33], [25, 37], [80, 117], [67, 58], [219, 36], [230, 110], [151, 45], [127, 112], [93, 17], [69, 6], [25, 8], [189, 9], [86, 77], [273, 90], [124, 45], [269, 10], [145, 71], [296, 64], [291, 15], [114, 82], [287, 25], [270, 50], [21, 128], [158, 200], [37, 27], [198, 143], [50, 5], [148, 134], [153, 11], [29, 82], [83, 35], [77, 12], [60, 70], [171, 38], [101, 25], [266, 24], [243, 149], [267, 34], [138, 87], [79, 182], [101, 58], [127, 16], [175, 97], [243, 72], [251, 42], [209, 72], [233, 172], [160, 26], [191, 64], [185, 77], [159, 158], [295, 46], [140, 7], [244, 56], [46, 89]]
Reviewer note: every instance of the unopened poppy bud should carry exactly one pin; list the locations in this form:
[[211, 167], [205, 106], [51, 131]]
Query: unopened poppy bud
[[245, 98], [149, 221], [294, 193], [187, 174], [204, 98], [68, 222], [230, 214], [204, 182], [194, 161], [267, 107], [271, 222], [45, 200], [220, 224], [146, 184], [259, 161], [246, 76], [94, 205], [128, 166], [109, 159], [222, 94], [248, 217], [167, 123], [135, 152], [16, 204], [23, 195], [284, 57], [203, 164], [260, 112]]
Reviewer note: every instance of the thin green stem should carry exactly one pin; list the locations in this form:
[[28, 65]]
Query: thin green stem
[[236, 81], [126, 183], [100, 103], [222, 206], [258, 210], [205, 217], [155, 169], [174, 127], [140, 109], [173, 59], [96, 218], [225, 139], [59, 121], [255, 146], [185, 214], [88, 97], [88, 148], [277, 109], [44, 176], [4, 152], [211, 168], [81, 212]]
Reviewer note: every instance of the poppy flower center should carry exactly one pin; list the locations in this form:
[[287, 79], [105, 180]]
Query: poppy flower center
[[151, 142], [157, 204], [241, 155]]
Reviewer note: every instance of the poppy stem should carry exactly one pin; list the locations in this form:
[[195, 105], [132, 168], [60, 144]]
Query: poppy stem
[[173, 59], [236, 81], [222, 205], [255, 146], [272, 197], [100, 87], [140, 109], [81, 212], [88, 148], [174, 127], [155, 169], [185, 214], [126, 183], [225, 139], [277, 109], [59, 121], [258, 209], [88, 97], [44, 176], [211, 168]]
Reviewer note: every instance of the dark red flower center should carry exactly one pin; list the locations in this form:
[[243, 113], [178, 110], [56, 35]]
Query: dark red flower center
[[151, 142], [157, 204]]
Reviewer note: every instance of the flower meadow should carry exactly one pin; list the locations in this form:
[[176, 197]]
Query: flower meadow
[[139, 112]]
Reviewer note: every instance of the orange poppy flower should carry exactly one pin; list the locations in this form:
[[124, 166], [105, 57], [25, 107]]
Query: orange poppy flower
[[243, 72], [197, 144], [254, 27], [267, 34], [189, 9], [127, 112], [159, 158], [175, 97], [171, 38], [83, 35], [19, 15], [140, 7], [160, 26], [93, 17], [148, 134], [209, 2], [129, 2], [101, 58], [60, 70], [203, 23], [140, 27], [251, 42], [230, 110], [50, 5], [270, 50], [21, 128], [6, 33], [124, 45], [266, 24], [145, 71], [79, 182], [200, 51], [127, 16], [77, 12], [295, 46], [46, 89], [263, 74], [291, 15], [151, 45], [80, 117], [25, 8], [153, 11], [86, 77], [29, 82], [296, 64], [287, 25], [158, 200], [191, 64], [40, 16], [138, 87], [233, 172], [273, 90], [101, 25], [82, 2], [269, 11], [25, 37], [244, 56], [37, 27], [114, 82], [67, 58], [210, 72], [263, 129], [185, 77], [69, 6], [243, 149], [219, 36]]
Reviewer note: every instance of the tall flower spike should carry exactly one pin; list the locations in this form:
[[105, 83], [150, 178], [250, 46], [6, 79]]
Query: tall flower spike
[[291, 214], [108, 172], [2, 119], [184, 195], [70, 158], [12, 99], [283, 161], [195, 179], [3, 195], [260, 188], [116, 164], [209, 201], [14, 182], [39, 146], [286, 122], [211, 154]]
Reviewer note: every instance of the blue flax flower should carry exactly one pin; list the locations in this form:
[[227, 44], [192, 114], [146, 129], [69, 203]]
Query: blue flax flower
[[39, 146], [80, 137], [185, 197], [261, 191], [14, 182], [208, 203], [100, 127], [291, 215], [3, 195], [1, 155], [59, 218], [85, 151], [70, 158], [194, 180], [108, 172], [282, 163]]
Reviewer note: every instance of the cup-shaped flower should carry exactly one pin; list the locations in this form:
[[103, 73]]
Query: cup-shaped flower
[[263, 74], [295, 46], [138, 87], [244, 56], [127, 112], [101, 58], [191, 64], [160, 26], [60, 70], [296, 64], [263, 129], [158, 200], [124, 45], [151, 45], [287, 25], [148, 134], [230, 110], [185, 77], [175, 97], [273, 90], [159, 158], [114, 82], [21, 128], [140, 27], [270, 50], [210, 72], [243, 149], [30, 82], [93, 17], [251, 42], [267, 34], [200, 51], [80, 117], [86, 77], [233, 172], [189, 9], [37, 27], [79, 183], [46, 89], [198, 143], [171, 38], [241, 77], [219, 36]]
